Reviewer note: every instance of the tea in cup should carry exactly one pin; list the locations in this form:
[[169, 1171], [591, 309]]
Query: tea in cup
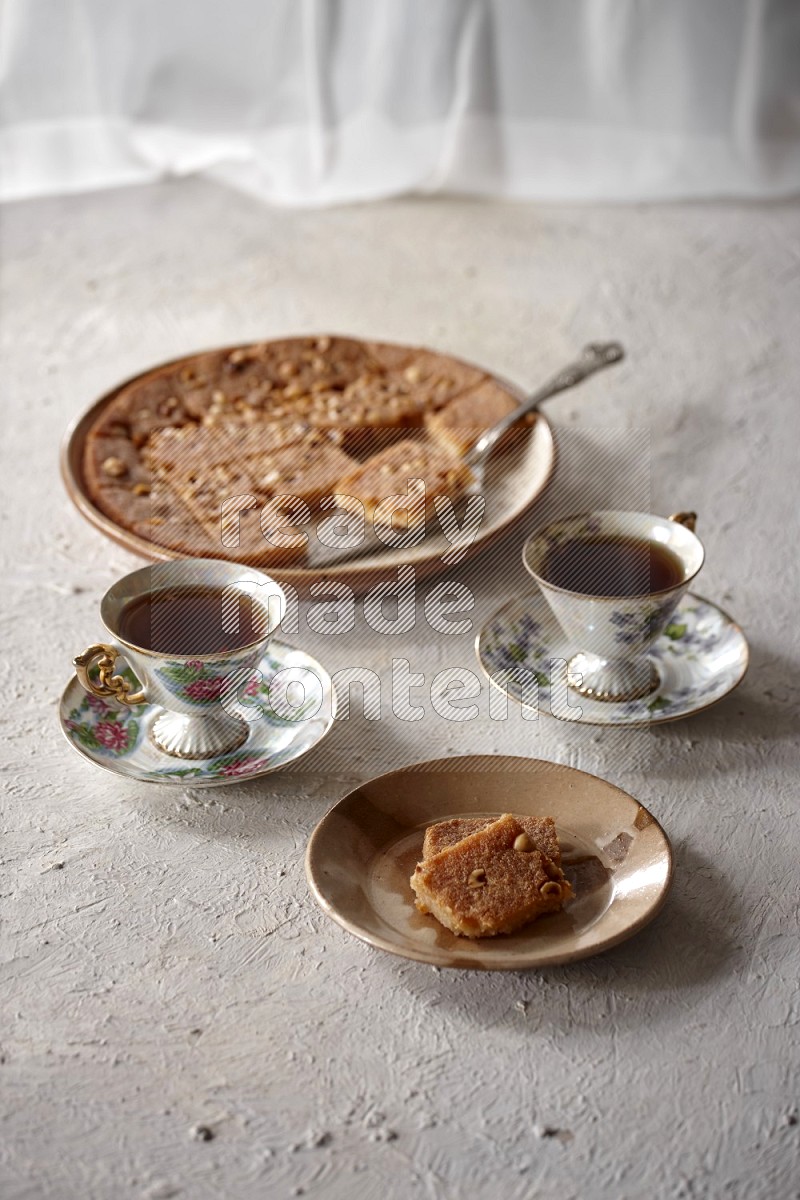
[[186, 629], [613, 580]]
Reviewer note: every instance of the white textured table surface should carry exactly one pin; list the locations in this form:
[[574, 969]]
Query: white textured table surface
[[164, 965]]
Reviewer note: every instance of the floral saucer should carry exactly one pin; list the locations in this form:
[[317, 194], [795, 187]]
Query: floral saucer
[[117, 738], [701, 656]]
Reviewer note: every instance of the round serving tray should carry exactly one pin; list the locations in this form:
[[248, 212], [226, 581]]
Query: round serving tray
[[514, 479]]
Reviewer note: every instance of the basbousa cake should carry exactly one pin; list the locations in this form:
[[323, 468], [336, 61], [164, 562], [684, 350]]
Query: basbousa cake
[[492, 881], [540, 830], [172, 446]]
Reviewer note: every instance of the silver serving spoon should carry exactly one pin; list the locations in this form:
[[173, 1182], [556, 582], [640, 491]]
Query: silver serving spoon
[[594, 357]]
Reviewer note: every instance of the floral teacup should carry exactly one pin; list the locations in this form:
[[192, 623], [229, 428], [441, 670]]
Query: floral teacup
[[190, 688], [615, 632]]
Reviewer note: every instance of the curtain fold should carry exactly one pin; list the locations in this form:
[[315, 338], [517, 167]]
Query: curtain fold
[[311, 102]]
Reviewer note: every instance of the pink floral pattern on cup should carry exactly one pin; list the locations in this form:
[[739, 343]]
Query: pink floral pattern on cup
[[107, 731], [194, 681]]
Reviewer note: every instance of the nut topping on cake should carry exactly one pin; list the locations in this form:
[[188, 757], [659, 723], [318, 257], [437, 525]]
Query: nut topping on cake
[[115, 468]]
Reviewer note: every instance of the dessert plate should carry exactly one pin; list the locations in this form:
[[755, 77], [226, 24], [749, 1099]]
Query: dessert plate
[[701, 657], [615, 854], [116, 738]]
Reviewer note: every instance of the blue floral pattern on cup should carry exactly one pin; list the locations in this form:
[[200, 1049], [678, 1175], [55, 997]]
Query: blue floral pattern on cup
[[701, 655], [612, 635]]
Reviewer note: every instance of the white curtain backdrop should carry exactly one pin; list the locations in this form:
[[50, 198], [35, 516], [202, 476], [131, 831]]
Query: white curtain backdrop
[[322, 101]]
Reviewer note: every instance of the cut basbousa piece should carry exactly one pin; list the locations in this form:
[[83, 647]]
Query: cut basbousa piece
[[482, 886]]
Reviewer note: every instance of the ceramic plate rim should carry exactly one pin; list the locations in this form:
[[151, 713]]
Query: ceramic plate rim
[[440, 957], [201, 782], [651, 721]]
